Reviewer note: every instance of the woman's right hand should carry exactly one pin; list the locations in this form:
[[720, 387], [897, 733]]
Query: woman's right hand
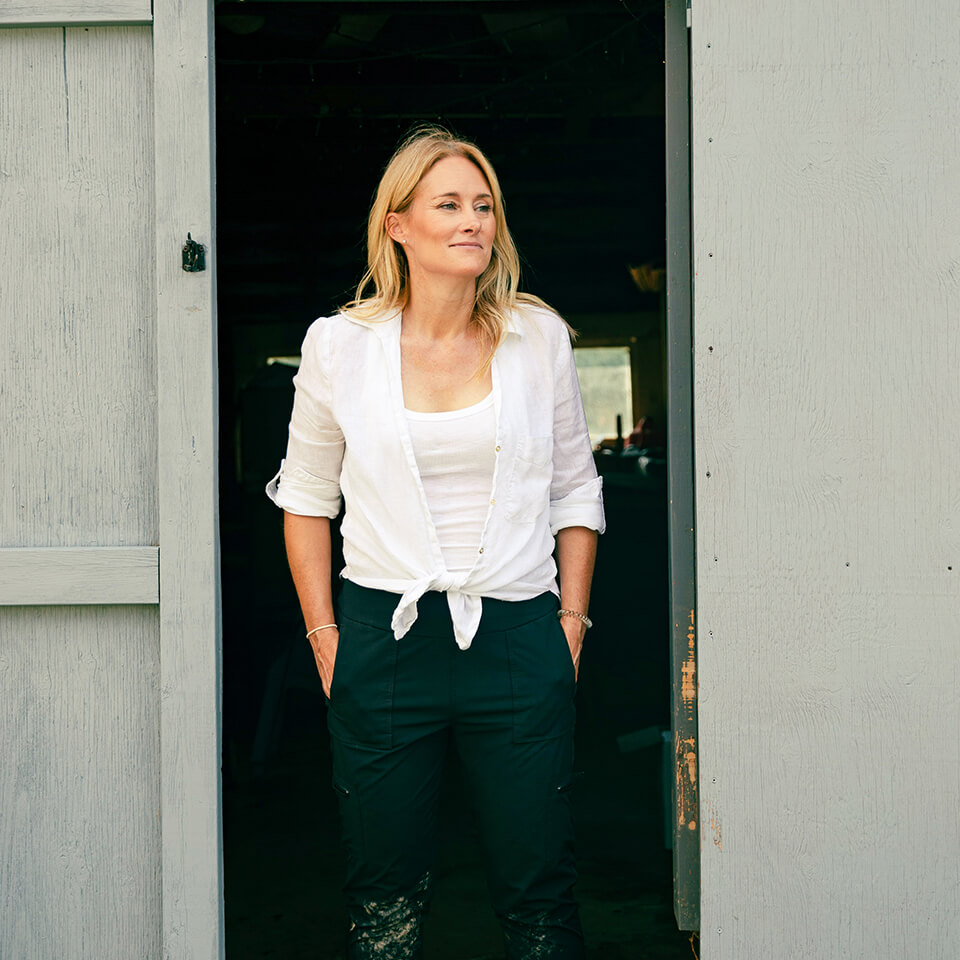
[[325, 643]]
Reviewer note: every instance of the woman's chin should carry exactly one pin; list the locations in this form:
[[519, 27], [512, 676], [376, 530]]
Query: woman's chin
[[463, 271]]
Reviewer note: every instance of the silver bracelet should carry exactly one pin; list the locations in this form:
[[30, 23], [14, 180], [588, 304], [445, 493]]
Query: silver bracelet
[[577, 614], [325, 626]]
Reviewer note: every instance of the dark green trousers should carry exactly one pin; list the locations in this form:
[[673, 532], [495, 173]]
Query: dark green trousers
[[507, 704]]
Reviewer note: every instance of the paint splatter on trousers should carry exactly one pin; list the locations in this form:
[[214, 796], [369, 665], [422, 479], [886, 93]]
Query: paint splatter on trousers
[[507, 706]]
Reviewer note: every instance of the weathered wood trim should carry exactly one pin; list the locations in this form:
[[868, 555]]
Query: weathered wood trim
[[36, 13], [74, 575], [189, 534], [680, 482]]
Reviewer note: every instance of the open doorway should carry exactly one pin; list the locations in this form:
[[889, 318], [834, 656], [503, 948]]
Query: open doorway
[[568, 101]]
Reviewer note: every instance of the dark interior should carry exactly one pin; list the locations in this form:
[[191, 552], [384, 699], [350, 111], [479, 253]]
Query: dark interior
[[567, 99]]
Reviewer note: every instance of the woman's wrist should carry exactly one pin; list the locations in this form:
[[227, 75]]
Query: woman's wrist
[[575, 614]]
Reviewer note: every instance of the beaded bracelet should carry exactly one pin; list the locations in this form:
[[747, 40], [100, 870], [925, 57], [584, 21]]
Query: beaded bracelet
[[577, 614], [325, 626]]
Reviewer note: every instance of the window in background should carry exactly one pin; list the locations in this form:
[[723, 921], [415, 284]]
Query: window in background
[[607, 388]]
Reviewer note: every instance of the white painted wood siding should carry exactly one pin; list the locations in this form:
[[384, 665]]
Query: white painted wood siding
[[80, 788], [826, 186], [60, 12], [78, 372], [80, 837]]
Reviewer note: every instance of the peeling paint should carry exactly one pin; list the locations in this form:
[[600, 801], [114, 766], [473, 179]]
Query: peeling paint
[[687, 783], [688, 682]]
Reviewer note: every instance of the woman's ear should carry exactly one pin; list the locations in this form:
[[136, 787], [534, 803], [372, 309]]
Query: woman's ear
[[394, 227]]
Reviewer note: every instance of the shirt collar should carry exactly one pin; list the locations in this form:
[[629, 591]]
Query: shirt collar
[[512, 325], [388, 324]]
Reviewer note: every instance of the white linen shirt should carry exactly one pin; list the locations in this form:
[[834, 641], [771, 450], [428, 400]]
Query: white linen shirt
[[349, 433]]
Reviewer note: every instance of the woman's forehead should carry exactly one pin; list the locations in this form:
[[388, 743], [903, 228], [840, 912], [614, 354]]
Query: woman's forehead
[[454, 175]]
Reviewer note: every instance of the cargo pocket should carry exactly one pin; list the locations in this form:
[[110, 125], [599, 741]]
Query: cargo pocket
[[559, 821], [528, 491], [542, 680], [351, 820], [361, 692]]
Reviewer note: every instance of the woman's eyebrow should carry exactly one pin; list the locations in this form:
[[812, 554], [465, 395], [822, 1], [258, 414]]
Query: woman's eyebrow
[[454, 194]]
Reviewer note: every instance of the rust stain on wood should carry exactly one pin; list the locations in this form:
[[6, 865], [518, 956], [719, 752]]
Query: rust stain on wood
[[717, 831]]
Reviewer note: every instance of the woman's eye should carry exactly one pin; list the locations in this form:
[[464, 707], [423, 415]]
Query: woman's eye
[[449, 205], [484, 208]]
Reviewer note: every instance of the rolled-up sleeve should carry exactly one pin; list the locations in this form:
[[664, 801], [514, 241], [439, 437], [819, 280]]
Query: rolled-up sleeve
[[308, 482], [576, 498]]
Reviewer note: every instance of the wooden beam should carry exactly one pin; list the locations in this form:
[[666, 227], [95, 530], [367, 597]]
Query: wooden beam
[[34, 13], [79, 575], [588, 7], [192, 852]]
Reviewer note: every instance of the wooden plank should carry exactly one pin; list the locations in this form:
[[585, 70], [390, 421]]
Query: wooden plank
[[686, 825], [189, 536], [72, 12], [79, 685], [79, 734], [827, 345], [79, 575], [78, 451], [80, 790]]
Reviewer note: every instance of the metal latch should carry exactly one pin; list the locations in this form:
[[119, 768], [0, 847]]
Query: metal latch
[[193, 261]]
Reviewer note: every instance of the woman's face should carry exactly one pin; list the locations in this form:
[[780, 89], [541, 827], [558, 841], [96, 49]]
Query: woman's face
[[448, 228]]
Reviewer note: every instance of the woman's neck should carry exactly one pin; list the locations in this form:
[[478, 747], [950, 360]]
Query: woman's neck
[[440, 312]]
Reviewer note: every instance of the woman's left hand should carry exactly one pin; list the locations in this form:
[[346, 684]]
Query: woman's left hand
[[574, 630]]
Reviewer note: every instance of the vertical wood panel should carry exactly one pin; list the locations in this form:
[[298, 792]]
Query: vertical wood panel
[[189, 535], [78, 368], [79, 687], [827, 350], [80, 790]]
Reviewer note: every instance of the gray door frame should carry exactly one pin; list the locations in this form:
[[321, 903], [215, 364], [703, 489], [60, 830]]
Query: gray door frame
[[686, 825], [680, 482]]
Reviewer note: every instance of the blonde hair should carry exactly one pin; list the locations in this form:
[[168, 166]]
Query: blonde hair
[[386, 272]]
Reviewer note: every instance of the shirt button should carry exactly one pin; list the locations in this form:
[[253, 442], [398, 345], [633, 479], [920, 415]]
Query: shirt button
[[498, 448], [494, 500], [481, 549]]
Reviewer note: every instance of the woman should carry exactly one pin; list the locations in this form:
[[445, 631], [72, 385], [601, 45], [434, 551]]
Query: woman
[[445, 407]]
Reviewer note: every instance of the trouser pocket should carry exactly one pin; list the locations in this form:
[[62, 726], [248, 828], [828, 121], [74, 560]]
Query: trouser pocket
[[542, 680], [361, 692]]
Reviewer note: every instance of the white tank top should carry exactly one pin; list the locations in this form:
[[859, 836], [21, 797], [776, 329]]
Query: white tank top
[[455, 456]]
